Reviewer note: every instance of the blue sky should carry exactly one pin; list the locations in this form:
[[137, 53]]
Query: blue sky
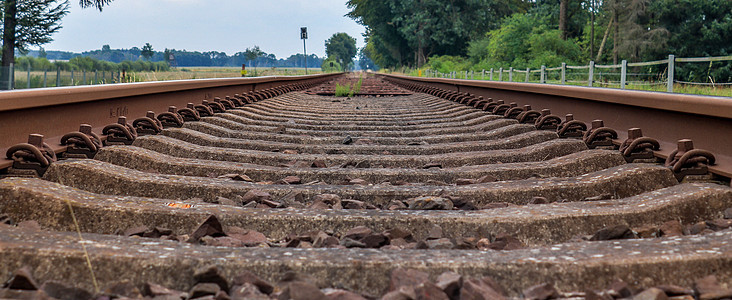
[[205, 25]]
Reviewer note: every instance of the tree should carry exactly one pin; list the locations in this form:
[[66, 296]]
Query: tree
[[342, 47], [251, 55], [27, 23], [98, 4], [696, 28], [147, 51], [364, 60], [563, 7], [524, 41], [42, 53], [637, 32], [406, 32]]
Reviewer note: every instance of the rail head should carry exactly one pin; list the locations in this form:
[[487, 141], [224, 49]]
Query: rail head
[[694, 104], [44, 97]]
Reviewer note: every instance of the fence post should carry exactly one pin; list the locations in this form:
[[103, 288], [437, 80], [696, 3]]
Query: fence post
[[29, 67], [623, 73], [670, 83], [491, 74], [528, 73], [592, 73], [543, 74], [45, 78], [72, 77], [482, 74], [11, 77], [84, 77], [500, 74], [564, 73], [58, 76], [510, 74], [103, 79]]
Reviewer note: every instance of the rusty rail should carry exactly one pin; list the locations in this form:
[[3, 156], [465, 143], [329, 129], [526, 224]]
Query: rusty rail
[[54, 112], [666, 117]]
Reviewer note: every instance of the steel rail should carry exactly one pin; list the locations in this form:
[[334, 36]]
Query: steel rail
[[54, 112], [666, 117]]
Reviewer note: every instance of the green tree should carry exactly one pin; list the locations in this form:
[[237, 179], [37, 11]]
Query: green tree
[[147, 51], [523, 41], [251, 54], [42, 53], [98, 4], [406, 32], [341, 47], [637, 34], [364, 60], [27, 23], [697, 28], [32, 22]]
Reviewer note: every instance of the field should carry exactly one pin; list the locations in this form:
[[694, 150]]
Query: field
[[48, 79]]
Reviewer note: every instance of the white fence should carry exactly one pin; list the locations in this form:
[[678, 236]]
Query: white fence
[[591, 67]]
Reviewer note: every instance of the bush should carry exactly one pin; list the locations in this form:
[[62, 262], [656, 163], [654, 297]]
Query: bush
[[331, 65], [447, 63], [85, 63]]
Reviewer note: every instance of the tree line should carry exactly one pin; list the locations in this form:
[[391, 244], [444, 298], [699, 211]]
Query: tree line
[[185, 58], [484, 34]]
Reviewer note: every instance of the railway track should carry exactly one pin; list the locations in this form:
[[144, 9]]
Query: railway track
[[412, 190]]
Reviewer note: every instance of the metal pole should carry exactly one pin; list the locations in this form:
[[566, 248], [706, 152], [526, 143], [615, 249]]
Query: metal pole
[[29, 67], [491, 74], [670, 83], [510, 74], [592, 73], [623, 73], [45, 78], [84, 77], [95, 77], [72, 77], [103, 76], [305, 52], [564, 72], [528, 73], [482, 74], [500, 74], [58, 76]]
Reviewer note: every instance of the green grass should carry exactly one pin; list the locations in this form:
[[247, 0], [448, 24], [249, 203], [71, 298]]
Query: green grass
[[721, 91]]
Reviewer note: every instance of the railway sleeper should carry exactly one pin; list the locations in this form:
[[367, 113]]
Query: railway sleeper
[[47, 203], [512, 138], [574, 164], [570, 266], [531, 152], [293, 124], [494, 129], [382, 133], [616, 182]]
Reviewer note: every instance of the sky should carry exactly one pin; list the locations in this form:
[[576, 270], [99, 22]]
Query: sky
[[206, 25]]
